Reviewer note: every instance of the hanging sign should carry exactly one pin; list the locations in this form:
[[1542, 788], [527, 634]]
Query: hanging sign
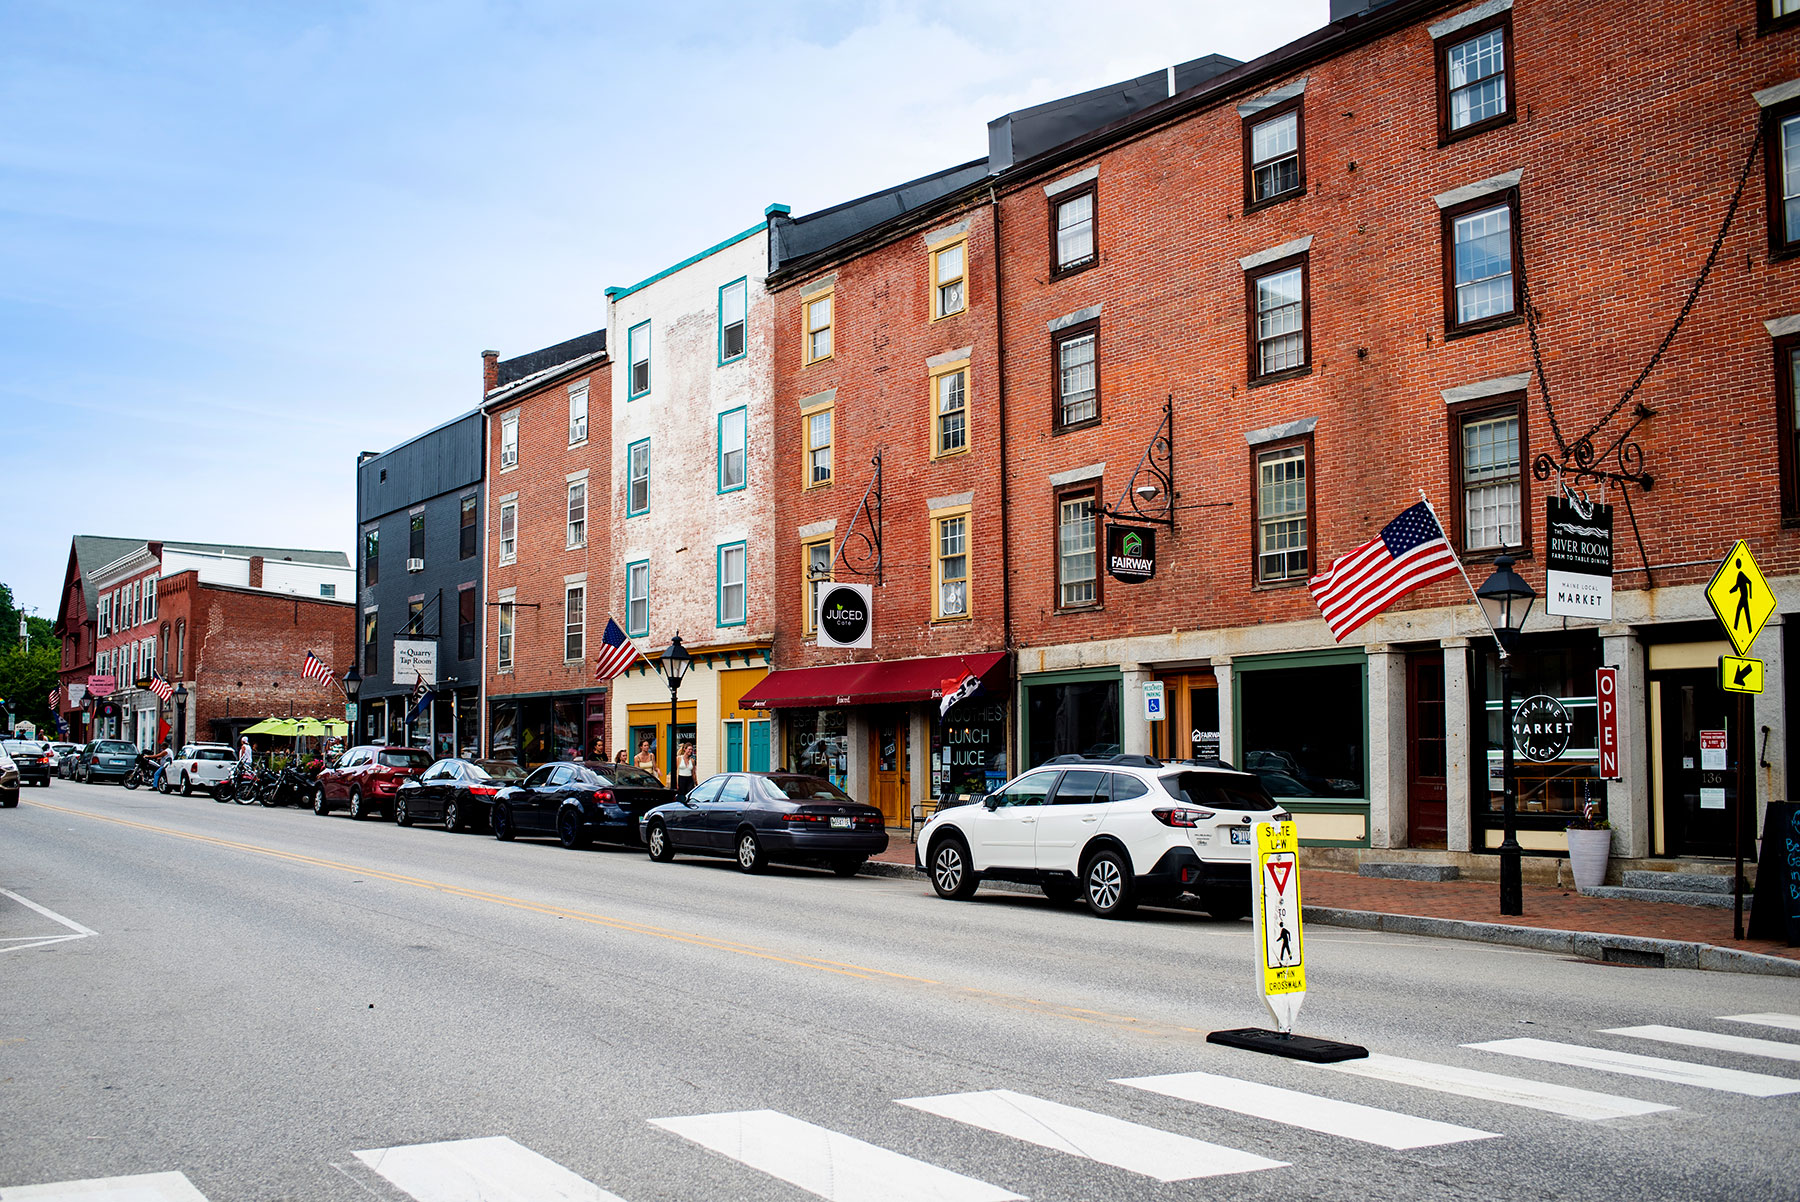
[[846, 616], [1578, 560], [1541, 729], [1606, 705], [1153, 701], [1280, 953], [414, 658], [1739, 589], [1130, 553], [100, 686]]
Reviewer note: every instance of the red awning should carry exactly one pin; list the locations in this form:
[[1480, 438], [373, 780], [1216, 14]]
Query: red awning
[[867, 683]]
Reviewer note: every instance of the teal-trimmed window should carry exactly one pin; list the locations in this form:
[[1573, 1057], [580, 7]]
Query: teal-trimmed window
[[637, 598], [734, 449], [637, 339], [637, 478], [734, 561], [734, 326]]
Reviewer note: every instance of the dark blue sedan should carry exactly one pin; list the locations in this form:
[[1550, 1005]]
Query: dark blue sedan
[[758, 817], [578, 801]]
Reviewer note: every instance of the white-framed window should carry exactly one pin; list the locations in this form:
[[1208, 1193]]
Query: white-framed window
[[1483, 246], [1275, 155], [950, 565], [1075, 230], [578, 413], [1077, 378], [734, 304], [509, 441], [818, 325], [574, 622], [637, 341], [504, 655], [949, 279], [1076, 577], [1282, 505], [150, 599], [950, 410], [1490, 480], [509, 531], [733, 449], [817, 421], [637, 599], [1475, 78], [734, 562], [577, 514], [1280, 321]]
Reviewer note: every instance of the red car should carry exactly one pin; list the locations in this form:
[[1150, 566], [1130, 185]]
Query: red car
[[365, 780]]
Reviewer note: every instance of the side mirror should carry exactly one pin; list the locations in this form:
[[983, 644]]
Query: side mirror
[[991, 801]]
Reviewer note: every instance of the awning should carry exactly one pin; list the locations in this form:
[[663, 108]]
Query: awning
[[865, 683]]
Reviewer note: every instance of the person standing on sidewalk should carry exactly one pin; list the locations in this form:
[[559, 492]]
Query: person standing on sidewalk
[[684, 770]]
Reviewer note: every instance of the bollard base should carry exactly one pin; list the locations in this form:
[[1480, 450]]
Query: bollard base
[[1295, 1047]]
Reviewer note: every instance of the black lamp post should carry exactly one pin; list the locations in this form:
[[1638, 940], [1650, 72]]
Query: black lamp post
[[181, 696], [675, 663], [353, 690], [1506, 599]]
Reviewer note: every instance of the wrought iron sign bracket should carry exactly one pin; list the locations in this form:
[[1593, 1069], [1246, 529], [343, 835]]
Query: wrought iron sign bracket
[[1627, 472], [1149, 494], [859, 551]]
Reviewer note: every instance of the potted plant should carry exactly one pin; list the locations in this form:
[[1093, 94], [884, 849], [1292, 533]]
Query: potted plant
[[1590, 844]]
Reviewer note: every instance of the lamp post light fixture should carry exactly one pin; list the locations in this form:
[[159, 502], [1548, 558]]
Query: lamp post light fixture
[[352, 683], [675, 663], [1506, 599], [181, 696]]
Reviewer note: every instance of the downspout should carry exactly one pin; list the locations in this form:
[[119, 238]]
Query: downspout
[[1006, 634]]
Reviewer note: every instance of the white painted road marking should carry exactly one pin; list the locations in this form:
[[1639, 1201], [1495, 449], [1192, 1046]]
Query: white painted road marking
[[147, 1187], [1585, 1104], [81, 932], [1772, 1048], [1349, 1120], [494, 1169], [1681, 1072], [1129, 1146], [1787, 1022], [826, 1163]]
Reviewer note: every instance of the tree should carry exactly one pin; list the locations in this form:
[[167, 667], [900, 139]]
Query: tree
[[26, 677]]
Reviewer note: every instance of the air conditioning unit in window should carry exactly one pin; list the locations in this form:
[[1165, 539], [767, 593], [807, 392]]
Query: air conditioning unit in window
[[415, 565]]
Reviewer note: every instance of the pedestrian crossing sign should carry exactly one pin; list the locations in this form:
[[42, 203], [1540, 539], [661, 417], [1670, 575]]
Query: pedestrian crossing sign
[[1281, 954], [1741, 597], [1740, 675]]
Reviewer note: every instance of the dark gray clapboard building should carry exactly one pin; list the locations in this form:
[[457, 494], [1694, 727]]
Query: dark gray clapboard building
[[419, 613]]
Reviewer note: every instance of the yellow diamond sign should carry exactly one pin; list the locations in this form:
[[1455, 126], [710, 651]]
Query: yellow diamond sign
[[1741, 597]]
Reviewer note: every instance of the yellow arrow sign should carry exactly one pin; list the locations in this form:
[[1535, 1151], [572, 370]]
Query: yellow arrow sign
[[1741, 597], [1740, 675]]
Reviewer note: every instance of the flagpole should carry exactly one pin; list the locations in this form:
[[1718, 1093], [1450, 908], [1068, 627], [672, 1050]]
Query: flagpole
[[1479, 607]]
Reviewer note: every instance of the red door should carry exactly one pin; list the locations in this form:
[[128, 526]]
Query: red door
[[1425, 749]]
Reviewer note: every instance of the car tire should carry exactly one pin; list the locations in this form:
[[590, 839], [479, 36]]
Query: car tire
[[402, 813], [358, 811], [657, 843], [503, 824], [10, 800], [1227, 905], [1062, 890], [951, 874], [187, 786], [848, 865], [750, 856], [569, 832], [1107, 886], [321, 807], [453, 819]]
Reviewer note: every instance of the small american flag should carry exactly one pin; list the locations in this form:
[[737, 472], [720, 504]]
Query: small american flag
[[314, 669], [56, 700], [159, 686], [617, 652], [1410, 552]]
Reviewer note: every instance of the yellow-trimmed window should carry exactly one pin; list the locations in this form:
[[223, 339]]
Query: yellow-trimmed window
[[949, 278], [817, 310], [815, 571], [950, 409], [950, 564], [816, 427]]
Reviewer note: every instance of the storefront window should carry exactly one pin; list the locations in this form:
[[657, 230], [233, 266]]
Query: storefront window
[[968, 753], [1558, 789], [818, 744], [1072, 717], [566, 730], [468, 725], [1302, 730], [443, 727], [502, 737]]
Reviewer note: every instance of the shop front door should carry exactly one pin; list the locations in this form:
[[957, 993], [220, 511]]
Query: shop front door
[[1697, 802], [1427, 788], [890, 781]]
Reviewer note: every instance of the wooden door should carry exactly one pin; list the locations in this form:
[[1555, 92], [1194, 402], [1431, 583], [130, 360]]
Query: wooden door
[[889, 780], [1426, 753], [759, 746]]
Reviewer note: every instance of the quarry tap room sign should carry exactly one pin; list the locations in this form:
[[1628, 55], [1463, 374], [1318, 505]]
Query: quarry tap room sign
[[1578, 560], [1130, 553]]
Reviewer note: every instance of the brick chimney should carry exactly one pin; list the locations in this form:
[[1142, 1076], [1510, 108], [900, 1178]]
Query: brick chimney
[[256, 565], [490, 371]]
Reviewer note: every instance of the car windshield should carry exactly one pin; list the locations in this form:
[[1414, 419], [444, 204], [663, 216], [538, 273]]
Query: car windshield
[[213, 753], [115, 747], [16, 746], [808, 788], [502, 770], [626, 776], [1217, 789], [407, 757]]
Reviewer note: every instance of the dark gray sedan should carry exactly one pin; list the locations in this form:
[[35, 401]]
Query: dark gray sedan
[[460, 793], [758, 817]]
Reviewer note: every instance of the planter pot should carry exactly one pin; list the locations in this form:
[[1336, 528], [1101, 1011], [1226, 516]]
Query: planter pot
[[1588, 852]]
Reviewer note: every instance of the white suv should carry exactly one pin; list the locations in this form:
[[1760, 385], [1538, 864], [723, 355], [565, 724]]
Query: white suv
[[1114, 832], [200, 766]]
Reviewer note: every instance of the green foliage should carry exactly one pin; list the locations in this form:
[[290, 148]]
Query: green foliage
[[27, 678]]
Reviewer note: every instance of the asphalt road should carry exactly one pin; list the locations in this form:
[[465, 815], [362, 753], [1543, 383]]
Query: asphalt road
[[266, 993]]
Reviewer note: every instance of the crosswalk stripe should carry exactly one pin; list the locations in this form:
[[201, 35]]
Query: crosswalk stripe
[[826, 1163], [1585, 1104], [1787, 1022], [1772, 1048], [146, 1187], [1350, 1120], [492, 1169], [1681, 1072], [1129, 1146]]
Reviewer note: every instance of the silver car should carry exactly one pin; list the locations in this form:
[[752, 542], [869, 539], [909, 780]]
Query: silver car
[[9, 781]]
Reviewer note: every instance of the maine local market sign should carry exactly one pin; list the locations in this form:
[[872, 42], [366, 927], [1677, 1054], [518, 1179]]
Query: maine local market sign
[[1541, 729]]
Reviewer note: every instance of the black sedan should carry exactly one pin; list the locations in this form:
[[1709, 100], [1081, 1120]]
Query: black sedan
[[33, 759], [459, 793], [579, 801], [758, 817]]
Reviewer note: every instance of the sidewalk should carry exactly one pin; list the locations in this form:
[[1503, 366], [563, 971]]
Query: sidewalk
[[1555, 919]]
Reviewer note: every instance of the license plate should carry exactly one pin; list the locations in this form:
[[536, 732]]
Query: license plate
[[840, 824], [1240, 834]]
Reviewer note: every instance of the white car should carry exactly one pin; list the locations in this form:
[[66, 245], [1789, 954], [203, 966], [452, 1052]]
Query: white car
[[199, 766], [1111, 831]]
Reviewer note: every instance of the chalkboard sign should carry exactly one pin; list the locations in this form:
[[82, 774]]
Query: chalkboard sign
[[1775, 913]]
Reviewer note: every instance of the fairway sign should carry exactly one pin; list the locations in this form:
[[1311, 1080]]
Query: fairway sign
[[1281, 956]]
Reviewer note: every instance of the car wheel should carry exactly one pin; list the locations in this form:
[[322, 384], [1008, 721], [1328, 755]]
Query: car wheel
[[848, 865], [453, 819], [1106, 882], [1227, 905], [658, 844], [402, 812], [10, 800], [750, 852], [358, 811], [951, 875], [568, 830], [320, 806], [503, 824], [187, 786], [1061, 890]]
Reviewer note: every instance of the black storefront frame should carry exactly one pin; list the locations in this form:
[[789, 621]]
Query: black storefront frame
[[590, 710]]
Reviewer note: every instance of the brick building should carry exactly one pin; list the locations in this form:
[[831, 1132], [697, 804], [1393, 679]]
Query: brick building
[[548, 548]]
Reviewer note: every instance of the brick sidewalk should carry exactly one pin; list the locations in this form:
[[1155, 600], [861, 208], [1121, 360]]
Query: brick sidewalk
[[1479, 901]]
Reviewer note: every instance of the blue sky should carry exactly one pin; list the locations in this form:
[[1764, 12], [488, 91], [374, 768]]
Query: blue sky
[[240, 243]]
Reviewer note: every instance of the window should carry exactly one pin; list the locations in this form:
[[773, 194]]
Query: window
[[949, 279], [734, 302], [578, 413], [328, 590], [577, 532], [1283, 514], [950, 410], [509, 531], [1077, 375], [817, 421], [1474, 86], [415, 616], [1481, 239], [415, 546], [1274, 154], [104, 627], [181, 647], [1781, 156], [818, 326], [1280, 343], [509, 441], [950, 565], [638, 342], [1072, 231], [504, 653], [574, 619], [733, 564], [465, 623], [637, 478], [370, 659], [150, 599], [1787, 424], [1489, 458], [1077, 521], [815, 569], [1777, 14], [466, 541], [637, 599], [372, 557], [733, 450]]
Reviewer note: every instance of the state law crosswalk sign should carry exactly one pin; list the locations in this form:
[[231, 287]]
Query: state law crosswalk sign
[[1280, 949]]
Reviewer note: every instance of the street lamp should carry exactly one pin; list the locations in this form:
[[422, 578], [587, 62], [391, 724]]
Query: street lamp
[[352, 690], [675, 663], [181, 696], [1506, 599]]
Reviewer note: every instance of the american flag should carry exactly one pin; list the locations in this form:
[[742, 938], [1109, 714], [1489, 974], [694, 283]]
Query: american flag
[[314, 669], [1410, 552], [56, 700], [617, 652], [159, 686]]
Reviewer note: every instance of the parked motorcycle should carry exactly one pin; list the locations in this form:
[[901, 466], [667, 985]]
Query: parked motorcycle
[[290, 786], [243, 786], [141, 772]]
